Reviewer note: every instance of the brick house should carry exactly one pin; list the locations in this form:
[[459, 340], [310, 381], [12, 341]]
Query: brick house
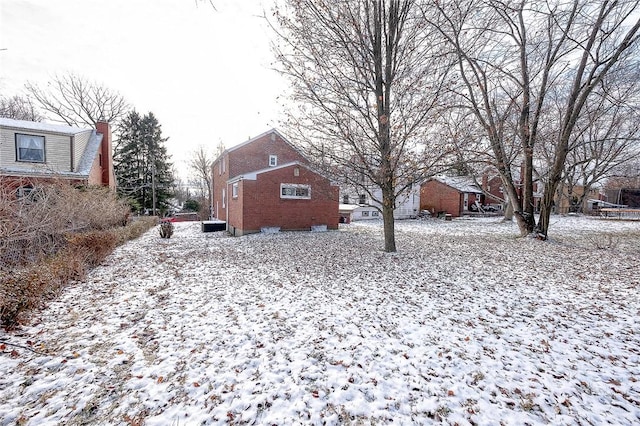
[[449, 195], [266, 182], [32, 152]]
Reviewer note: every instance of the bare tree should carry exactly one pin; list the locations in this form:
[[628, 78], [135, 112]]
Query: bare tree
[[365, 82], [19, 108], [200, 165], [77, 101], [607, 136], [512, 56]]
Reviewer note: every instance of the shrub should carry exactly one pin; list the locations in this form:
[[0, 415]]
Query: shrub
[[54, 236]]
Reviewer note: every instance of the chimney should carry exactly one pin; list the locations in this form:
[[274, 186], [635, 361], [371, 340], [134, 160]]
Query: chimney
[[108, 176]]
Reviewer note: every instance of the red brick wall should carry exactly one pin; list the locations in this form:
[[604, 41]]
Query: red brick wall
[[251, 157], [255, 155], [263, 206], [494, 186], [106, 149], [437, 197], [236, 206]]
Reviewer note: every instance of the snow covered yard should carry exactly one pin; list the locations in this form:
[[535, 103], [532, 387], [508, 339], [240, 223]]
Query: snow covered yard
[[466, 324]]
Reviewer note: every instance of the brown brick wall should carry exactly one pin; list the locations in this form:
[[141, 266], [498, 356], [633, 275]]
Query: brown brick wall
[[264, 207], [438, 197], [250, 158], [255, 155]]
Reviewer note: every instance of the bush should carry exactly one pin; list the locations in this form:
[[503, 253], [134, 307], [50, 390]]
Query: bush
[[54, 236]]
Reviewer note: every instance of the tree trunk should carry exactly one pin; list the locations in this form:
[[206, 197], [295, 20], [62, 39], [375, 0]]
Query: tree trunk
[[545, 210], [508, 212], [389, 221]]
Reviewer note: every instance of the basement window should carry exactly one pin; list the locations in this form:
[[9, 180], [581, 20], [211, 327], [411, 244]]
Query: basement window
[[24, 191], [30, 148], [294, 191]]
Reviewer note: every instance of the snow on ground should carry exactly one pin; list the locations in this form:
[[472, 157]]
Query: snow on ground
[[466, 324]]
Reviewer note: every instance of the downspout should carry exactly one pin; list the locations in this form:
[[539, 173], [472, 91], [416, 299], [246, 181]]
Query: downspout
[[72, 147], [226, 210]]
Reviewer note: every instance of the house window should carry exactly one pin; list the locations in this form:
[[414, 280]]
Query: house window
[[345, 199], [362, 199], [375, 213], [273, 160], [234, 190], [30, 148], [290, 190], [296, 171], [365, 214], [24, 191], [224, 198]]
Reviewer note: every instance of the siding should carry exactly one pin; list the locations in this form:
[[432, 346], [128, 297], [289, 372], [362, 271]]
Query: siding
[[57, 151], [79, 145]]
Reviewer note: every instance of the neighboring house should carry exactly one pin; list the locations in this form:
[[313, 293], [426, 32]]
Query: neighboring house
[[351, 212], [407, 206], [266, 183], [449, 195], [32, 152], [566, 202], [629, 197]]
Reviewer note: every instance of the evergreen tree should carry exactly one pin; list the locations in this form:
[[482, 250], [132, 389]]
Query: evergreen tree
[[142, 164]]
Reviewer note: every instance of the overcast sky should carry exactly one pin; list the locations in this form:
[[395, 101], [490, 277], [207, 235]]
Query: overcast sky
[[206, 74]]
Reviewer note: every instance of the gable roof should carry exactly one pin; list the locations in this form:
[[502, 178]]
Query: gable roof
[[84, 165], [460, 183], [260, 136], [254, 175], [42, 127]]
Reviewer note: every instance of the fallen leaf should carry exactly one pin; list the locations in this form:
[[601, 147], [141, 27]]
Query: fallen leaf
[[160, 379], [196, 384]]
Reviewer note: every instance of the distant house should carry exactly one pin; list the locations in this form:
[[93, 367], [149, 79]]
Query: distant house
[[450, 195], [266, 183], [32, 152], [629, 197], [351, 212], [407, 205]]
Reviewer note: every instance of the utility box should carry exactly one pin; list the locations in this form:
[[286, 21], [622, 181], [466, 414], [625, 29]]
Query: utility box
[[213, 225]]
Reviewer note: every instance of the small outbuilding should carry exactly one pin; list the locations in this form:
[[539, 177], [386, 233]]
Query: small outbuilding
[[453, 195]]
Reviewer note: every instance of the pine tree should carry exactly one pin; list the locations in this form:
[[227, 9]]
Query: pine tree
[[142, 164]]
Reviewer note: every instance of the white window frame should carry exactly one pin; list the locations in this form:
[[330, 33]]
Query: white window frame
[[295, 191], [234, 190], [273, 160], [224, 198], [25, 142]]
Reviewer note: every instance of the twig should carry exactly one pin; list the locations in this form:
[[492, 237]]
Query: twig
[[4, 342]]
